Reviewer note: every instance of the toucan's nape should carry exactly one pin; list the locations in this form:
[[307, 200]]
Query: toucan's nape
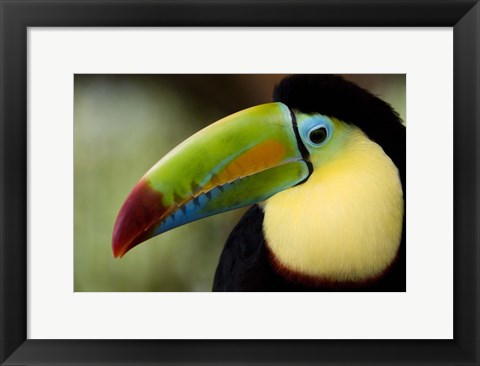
[[323, 166]]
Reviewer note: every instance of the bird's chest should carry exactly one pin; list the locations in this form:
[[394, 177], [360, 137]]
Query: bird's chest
[[342, 225]]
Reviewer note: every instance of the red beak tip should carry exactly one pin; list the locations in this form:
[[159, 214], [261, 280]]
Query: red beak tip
[[117, 253], [137, 215]]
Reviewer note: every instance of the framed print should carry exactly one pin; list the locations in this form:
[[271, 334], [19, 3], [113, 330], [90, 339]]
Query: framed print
[[76, 77]]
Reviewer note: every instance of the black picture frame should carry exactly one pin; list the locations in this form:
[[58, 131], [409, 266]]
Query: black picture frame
[[17, 15]]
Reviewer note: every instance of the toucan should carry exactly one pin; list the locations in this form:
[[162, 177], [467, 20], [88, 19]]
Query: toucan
[[323, 169]]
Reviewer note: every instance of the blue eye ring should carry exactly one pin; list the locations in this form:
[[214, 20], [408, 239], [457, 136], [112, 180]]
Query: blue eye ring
[[318, 135]]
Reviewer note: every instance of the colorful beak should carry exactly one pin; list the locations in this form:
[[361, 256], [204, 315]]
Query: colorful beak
[[242, 159]]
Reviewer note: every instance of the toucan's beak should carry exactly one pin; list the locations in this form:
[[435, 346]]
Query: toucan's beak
[[240, 160]]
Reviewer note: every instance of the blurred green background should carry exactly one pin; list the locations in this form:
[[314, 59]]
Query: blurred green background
[[123, 124]]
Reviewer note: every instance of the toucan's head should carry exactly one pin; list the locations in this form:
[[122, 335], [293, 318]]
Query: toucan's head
[[321, 133]]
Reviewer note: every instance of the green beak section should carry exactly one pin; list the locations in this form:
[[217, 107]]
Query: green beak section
[[238, 161]]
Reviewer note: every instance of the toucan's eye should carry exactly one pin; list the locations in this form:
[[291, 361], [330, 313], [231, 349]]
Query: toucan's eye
[[318, 135], [315, 129]]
